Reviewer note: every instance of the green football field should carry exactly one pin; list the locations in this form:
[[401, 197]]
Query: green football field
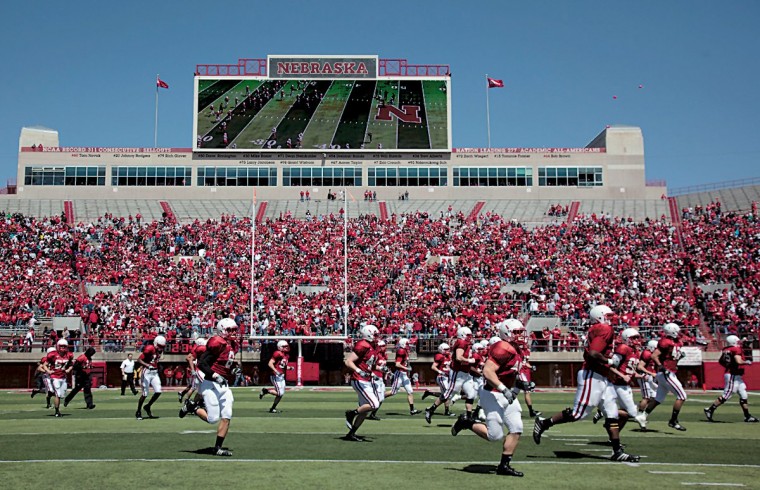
[[302, 447]]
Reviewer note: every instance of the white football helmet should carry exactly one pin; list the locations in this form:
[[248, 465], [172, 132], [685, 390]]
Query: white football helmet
[[493, 340], [464, 333], [226, 327], [402, 343], [732, 341], [630, 336], [49, 350], [516, 330], [477, 346], [159, 341], [443, 348], [381, 344], [598, 313], [671, 330], [651, 345], [62, 346], [369, 333], [283, 346], [483, 344], [200, 341]]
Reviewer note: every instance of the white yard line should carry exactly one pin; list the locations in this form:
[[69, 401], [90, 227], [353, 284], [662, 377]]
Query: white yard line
[[707, 484], [676, 472]]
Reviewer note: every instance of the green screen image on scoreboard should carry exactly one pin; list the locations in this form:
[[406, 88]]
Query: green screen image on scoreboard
[[245, 114]]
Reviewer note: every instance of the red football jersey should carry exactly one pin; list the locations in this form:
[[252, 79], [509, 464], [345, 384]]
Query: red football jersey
[[366, 359], [85, 364], [443, 362], [280, 362], [670, 352], [381, 363], [600, 339], [730, 354], [150, 356], [58, 364], [467, 347], [629, 360], [402, 357], [646, 356], [507, 359], [222, 352]]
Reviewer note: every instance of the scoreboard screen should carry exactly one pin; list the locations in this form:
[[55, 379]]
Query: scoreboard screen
[[317, 114]]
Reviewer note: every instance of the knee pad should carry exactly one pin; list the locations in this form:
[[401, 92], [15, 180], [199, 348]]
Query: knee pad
[[723, 400], [743, 401], [469, 401], [612, 423]]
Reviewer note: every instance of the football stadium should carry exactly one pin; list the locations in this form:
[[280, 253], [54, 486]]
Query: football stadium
[[380, 305]]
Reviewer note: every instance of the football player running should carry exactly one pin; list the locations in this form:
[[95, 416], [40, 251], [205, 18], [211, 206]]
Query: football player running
[[498, 397], [460, 378], [42, 378], [593, 385], [216, 364], [378, 380], [665, 358], [401, 375], [148, 360], [733, 360], [361, 362], [646, 382], [199, 347], [626, 357], [278, 364], [58, 365], [442, 367]]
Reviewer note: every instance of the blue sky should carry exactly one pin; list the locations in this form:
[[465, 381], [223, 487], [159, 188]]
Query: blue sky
[[87, 69]]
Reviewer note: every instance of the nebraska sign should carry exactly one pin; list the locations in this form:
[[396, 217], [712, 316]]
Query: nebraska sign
[[322, 67]]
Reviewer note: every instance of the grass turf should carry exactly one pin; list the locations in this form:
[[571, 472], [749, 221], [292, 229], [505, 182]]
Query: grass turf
[[302, 447]]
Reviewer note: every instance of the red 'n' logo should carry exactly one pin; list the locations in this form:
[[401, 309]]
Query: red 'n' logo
[[407, 113]]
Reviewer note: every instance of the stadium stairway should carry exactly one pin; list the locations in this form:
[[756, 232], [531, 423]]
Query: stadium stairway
[[473, 216], [261, 212], [383, 210], [572, 211], [167, 209], [68, 211]]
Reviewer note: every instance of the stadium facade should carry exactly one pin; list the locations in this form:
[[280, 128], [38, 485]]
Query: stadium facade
[[287, 124]]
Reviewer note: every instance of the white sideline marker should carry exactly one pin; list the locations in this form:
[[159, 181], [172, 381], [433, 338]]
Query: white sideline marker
[[706, 484], [676, 472]]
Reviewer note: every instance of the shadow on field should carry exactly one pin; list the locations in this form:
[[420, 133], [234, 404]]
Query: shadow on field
[[206, 451], [481, 469], [647, 431], [577, 455]]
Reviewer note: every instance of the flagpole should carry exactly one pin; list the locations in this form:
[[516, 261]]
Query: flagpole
[[155, 127], [488, 113]]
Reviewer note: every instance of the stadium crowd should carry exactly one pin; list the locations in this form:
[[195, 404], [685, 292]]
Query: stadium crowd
[[413, 275]]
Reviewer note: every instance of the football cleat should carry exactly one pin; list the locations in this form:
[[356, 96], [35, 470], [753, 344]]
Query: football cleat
[[625, 457], [751, 419], [188, 407], [34, 392], [538, 429], [673, 424], [462, 423], [65, 403], [138, 415], [598, 416], [58, 414], [641, 419], [179, 395], [150, 415], [508, 471], [708, 414], [449, 414], [373, 417], [428, 415], [535, 413], [350, 415], [353, 437], [91, 407], [263, 392], [414, 412], [222, 452], [274, 410]]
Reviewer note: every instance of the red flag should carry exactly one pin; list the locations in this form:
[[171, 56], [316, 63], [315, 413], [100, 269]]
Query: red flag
[[494, 83], [161, 84]]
